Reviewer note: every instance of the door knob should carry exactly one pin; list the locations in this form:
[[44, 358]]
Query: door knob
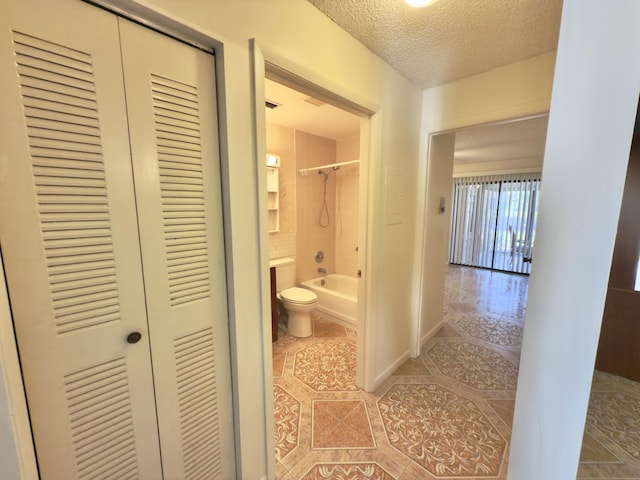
[[134, 337]]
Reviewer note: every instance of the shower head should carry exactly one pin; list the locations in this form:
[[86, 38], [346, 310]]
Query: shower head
[[326, 174]]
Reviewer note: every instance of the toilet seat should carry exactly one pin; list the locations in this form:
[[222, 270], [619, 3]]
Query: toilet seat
[[301, 296]]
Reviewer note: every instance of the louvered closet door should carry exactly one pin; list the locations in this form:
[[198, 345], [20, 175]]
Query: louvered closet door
[[68, 233], [172, 117]]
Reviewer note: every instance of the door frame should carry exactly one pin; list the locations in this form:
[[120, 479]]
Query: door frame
[[11, 384], [440, 145], [281, 69]]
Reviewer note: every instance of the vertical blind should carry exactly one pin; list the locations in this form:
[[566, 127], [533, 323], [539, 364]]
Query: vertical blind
[[494, 221]]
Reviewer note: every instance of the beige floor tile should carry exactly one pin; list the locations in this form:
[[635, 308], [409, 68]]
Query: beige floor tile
[[341, 424], [279, 359], [455, 399], [412, 367]]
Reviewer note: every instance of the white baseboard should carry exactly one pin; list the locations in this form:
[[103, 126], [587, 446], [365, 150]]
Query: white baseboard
[[391, 368], [427, 336], [340, 321], [336, 317]]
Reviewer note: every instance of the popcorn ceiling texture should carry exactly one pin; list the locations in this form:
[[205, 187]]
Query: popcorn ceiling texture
[[451, 39]]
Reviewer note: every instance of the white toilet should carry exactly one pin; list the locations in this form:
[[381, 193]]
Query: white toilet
[[297, 302]]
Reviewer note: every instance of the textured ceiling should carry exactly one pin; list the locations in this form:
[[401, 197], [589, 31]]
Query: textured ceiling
[[505, 141], [294, 112], [450, 39], [483, 143]]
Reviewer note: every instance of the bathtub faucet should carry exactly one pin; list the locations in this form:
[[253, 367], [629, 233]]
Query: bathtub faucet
[[322, 270]]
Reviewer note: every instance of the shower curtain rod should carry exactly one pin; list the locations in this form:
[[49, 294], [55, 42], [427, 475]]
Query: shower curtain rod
[[304, 171]]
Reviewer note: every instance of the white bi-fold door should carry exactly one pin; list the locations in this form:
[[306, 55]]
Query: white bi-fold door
[[111, 233]]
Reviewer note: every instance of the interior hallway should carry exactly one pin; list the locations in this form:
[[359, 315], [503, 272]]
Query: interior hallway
[[445, 414]]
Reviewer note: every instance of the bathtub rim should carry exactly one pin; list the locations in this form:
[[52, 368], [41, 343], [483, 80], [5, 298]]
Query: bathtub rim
[[335, 315]]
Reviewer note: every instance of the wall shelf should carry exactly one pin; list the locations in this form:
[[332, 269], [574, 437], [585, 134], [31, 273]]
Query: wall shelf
[[273, 196]]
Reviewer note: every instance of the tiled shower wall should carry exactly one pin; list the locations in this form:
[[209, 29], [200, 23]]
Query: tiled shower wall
[[301, 235], [347, 189], [313, 151]]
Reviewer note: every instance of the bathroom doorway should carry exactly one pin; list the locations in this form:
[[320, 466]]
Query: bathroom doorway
[[314, 184], [315, 170], [313, 196]]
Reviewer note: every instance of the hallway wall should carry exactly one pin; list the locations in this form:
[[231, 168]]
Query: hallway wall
[[595, 96]]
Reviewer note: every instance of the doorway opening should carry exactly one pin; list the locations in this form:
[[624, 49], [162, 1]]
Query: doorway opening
[[314, 208], [495, 194], [317, 207], [494, 221]]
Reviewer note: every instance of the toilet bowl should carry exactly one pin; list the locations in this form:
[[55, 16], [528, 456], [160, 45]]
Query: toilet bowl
[[298, 303]]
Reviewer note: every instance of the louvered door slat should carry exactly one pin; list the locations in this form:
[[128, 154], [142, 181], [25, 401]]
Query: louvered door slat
[[41, 131], [188, 244], [58, 81], [72, 106], [177, 108], [47, 166], [74, 229], [40, 124], [185, 218], [50, 201], [65, 164], [59, 219], [60, 117], [168, 127], [59, 65], [168, 140], [72, 282], [181, 92], [179, 276], [42, 140], [35, 95], [181, 166], [175, 170], [185, 256], [176, 122], [23, 40], [39, 84]]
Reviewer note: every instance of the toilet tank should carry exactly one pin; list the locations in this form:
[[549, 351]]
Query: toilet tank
[[285, 272]]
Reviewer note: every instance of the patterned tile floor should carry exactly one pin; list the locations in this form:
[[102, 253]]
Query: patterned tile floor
[[444, 415]]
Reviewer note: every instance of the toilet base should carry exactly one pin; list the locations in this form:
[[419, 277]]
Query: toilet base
[[299, 324]]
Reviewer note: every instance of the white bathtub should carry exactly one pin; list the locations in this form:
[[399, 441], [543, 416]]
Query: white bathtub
[[337, 296]]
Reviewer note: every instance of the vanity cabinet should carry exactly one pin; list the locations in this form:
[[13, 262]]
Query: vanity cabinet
[[274, 306]]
